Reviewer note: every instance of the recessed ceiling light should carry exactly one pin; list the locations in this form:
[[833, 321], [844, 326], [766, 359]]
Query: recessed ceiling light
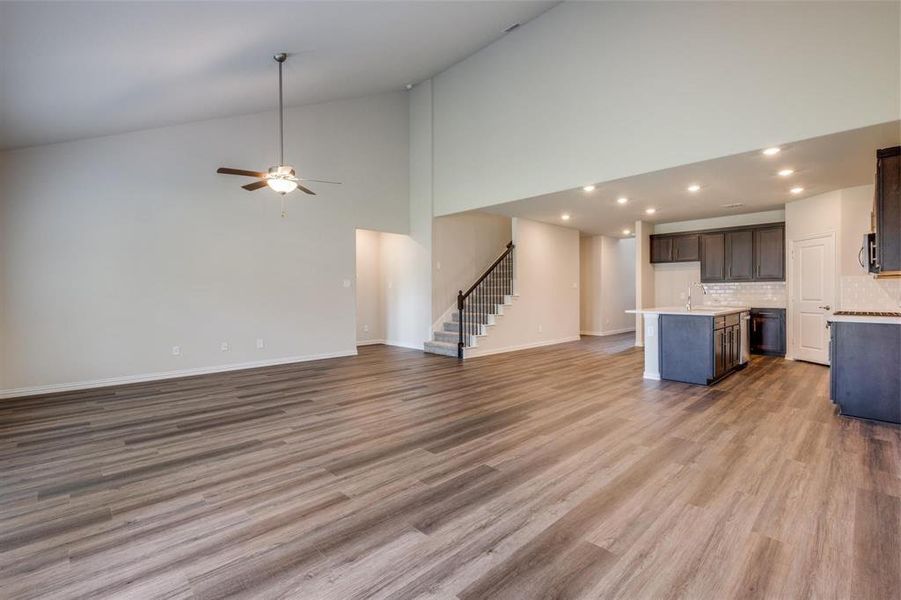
[[772, 151], [796, 190], [694, 187], [650, 211], [588, 188], [622, 200], [565, 216], [626, 232], [786, 172]]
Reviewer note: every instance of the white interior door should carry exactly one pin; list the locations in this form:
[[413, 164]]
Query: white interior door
[[813, 297]]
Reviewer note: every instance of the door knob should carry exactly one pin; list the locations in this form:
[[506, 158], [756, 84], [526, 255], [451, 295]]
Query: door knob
[[827, 307]]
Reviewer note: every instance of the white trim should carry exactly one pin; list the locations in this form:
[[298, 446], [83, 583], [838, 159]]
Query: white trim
[[611, 332], [99, 383], [478, 353], [369, 342], [652, 376], [400, 344]]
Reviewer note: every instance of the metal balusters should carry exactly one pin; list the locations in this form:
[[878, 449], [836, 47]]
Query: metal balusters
[[482, 299]]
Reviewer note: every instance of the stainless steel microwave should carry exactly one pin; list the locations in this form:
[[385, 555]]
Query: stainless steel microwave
[[867, 256]]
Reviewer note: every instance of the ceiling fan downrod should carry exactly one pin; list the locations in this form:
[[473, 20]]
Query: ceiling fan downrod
[[280, 58]]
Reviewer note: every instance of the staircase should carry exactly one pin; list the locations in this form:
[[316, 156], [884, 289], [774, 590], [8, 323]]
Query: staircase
[[476, 310]]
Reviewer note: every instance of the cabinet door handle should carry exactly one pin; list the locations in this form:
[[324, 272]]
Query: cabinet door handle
[[827, 307]]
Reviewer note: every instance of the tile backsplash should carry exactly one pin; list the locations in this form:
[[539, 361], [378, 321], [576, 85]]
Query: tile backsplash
[[756, 295], [863, 292]]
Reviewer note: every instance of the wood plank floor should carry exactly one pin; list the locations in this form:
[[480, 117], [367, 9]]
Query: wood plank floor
[[547, 473]]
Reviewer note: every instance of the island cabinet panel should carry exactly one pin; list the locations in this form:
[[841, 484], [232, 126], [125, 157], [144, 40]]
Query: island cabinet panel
[[740, 255], [713, 257], [888, 210], [661, 249], [685, 248], [864, 375], [686, 347], [769, 254]]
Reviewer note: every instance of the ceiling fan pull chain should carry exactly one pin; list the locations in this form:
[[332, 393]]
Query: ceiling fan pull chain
[[283, 206]]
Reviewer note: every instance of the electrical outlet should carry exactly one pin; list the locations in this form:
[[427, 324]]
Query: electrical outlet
[[224, 346], [540, 328], [347, 283], [176, 350], [438, 265], [259, 343], [365, 328]]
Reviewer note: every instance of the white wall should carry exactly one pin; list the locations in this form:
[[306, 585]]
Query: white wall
[[547, 282], [116, 249], [560, 102], [463, 247], [756, 218], [859, 290], [644, 276], [406, 260], [369, 288], [607, 287]]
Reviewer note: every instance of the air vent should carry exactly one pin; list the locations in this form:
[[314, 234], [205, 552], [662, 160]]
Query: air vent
[[511, 28], [733, 205]]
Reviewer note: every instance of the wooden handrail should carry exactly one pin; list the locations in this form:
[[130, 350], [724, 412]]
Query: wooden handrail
[[493, 266]]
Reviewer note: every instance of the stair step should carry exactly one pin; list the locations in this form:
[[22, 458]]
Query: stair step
[[454, 327], [483, 318], [453, 337], [442, 348]]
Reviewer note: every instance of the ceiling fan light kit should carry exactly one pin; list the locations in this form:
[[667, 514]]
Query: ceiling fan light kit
[[281, 178]]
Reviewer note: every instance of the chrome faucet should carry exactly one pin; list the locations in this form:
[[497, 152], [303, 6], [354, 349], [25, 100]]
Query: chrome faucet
[[690, 286]]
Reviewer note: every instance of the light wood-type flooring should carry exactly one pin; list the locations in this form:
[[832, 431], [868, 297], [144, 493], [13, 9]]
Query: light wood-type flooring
[[549, 473]]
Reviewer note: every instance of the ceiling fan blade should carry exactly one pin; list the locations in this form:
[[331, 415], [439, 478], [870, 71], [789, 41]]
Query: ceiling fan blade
[[306, 190], [318, 180], [242, 172], [255, 185]]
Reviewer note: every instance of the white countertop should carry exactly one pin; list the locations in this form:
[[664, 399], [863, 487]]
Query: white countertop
[[698, 311], [856, 319]]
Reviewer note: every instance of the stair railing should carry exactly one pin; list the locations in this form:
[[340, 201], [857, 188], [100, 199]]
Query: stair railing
[[475, 304]]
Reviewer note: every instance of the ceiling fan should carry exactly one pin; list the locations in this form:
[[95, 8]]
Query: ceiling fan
[[281, 178]]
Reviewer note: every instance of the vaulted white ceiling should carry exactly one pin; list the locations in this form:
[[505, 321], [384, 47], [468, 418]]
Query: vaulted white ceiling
[[70, 70]]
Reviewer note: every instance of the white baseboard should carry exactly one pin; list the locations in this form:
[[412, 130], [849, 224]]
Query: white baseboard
[[611, 332], [403, 344], [98, 383], [370, 342], [477, 353]]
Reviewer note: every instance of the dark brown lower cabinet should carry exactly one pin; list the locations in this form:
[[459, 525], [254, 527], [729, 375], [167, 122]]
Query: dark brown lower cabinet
[[767, 335]]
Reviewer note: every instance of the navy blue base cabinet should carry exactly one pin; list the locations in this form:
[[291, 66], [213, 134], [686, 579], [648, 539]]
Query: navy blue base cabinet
[[699, 349], [865, 375]]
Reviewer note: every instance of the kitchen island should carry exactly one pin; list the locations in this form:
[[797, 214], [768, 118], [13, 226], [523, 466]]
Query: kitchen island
[[701, 346], [865, 371]]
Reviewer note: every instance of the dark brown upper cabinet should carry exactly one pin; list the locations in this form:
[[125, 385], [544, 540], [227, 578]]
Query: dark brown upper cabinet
[[661, 249], [752, 253], [888, 210], [740, 255], [769, 254], [685, 248], [674, 248], [713, 257]]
